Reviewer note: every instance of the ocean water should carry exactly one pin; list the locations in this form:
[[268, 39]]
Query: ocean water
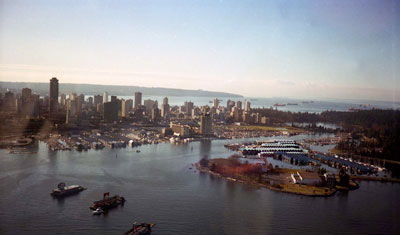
[[316, 106]]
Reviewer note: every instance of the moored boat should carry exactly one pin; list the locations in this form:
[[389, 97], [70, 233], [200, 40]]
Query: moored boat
[[62, 190], [108, 202], [140, 229]]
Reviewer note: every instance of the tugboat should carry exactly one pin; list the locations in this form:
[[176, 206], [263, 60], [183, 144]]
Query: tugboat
[[62, 190], [98, 211], [140, 229], [108, 202]]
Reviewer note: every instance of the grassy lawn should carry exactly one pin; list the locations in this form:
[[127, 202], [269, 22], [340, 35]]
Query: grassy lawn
[[305, 190]]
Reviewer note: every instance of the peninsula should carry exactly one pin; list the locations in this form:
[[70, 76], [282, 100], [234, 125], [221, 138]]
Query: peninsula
[[93, 89]]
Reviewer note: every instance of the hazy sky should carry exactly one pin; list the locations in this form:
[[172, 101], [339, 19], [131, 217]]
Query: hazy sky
[[303, 49]]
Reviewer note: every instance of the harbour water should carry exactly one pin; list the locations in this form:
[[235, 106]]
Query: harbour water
[[160, 187]]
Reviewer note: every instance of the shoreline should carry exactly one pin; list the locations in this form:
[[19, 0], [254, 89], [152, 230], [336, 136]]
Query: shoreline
[[369, 178], [207, 171]]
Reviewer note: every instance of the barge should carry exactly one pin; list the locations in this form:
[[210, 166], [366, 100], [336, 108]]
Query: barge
[[108, 202], [62, 190], [140, 229]]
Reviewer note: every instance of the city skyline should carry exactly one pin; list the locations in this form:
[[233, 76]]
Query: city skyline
[[302, 49]]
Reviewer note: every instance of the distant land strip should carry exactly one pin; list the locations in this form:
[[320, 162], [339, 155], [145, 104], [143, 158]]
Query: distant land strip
[[92, 89]]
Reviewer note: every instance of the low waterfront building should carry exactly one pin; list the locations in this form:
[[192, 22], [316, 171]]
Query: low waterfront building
[[307, 178], [180, 130], [338, 163], [270, 148]]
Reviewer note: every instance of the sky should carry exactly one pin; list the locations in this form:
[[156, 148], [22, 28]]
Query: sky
[[297, 49]]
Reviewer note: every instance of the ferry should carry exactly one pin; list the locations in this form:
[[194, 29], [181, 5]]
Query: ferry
[[62, 190], [279, 104]]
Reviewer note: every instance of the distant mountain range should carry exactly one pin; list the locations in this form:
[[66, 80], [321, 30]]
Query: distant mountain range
[[91, 89]]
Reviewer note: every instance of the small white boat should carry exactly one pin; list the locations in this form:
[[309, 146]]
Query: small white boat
[[98, 211]]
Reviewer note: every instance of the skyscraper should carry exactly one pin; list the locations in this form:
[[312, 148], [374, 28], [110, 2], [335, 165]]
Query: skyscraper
[[138, 100], [229, 105], [26, 95], [63, 99], [97, 100], [165, 100], [165, 111], [246, 106], [129, 105], [53, 95], [110, 111], [188, 108], [154, 113], [216, 103], [206, 124], [105, 97], [239, 105], [150, 104]]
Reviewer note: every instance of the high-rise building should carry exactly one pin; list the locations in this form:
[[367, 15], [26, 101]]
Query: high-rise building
[[53, 95], [98, 99], [138, 100], [150, 104], [229, 105], [188, 108], [67, 115], [124, 109], [154, 113], [9, 101], [165, 110], [90, 101], [72, 104], [165, 100], [81, 98], [99, 108], [206, 124], [113, 98], [26, 94], [216, 103], [105, 97], [195, 112], [27, 104], [239, 105], [129, 105], [63, 99], [73, 96], [126, 106], [246, 117], [246, 106], [110, 111]]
